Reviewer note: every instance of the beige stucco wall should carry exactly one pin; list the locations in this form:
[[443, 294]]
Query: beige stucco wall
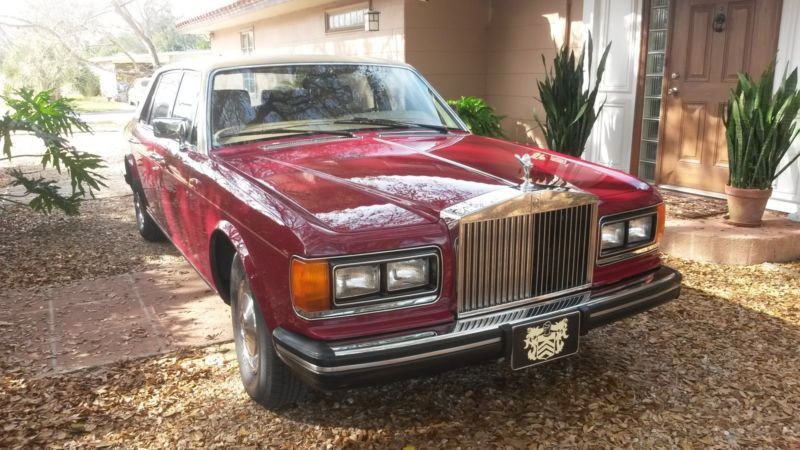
[[520, 32], [303, 32], [446, 41]]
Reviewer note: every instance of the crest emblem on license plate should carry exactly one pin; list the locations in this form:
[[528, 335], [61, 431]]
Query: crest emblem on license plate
[[546, 340]]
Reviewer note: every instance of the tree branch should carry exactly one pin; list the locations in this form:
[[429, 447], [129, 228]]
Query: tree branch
[[128, 18], [28, 24]]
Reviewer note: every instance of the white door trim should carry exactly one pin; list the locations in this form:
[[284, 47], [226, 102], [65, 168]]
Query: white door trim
[[619, 22], [786, 190]]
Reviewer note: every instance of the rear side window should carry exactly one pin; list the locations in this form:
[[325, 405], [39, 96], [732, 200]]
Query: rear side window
[[164, 96]]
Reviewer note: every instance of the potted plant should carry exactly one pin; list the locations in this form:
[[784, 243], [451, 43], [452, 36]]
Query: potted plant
[[760, 128]]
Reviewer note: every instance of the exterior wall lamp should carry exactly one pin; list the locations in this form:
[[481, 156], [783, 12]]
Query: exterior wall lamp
[[372, 19]]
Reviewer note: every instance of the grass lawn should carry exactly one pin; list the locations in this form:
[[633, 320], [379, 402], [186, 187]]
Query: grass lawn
[[98, 104]]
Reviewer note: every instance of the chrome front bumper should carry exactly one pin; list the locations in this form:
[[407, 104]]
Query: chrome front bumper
[[330, 365]]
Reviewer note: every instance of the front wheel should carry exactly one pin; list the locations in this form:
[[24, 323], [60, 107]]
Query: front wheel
[[144, 223], [265, 377]]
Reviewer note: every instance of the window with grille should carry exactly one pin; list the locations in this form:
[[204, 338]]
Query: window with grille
[[247, 40], [346, 19]]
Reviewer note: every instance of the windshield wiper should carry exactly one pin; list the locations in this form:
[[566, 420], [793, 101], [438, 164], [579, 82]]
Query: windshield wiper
[[392, 123], [284, 131]]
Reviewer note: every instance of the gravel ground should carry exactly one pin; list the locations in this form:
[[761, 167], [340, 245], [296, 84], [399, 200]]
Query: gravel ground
[[719, 368], [685, 206], [46, 249]]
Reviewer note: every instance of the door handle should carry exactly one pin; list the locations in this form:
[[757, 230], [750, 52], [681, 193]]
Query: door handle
[[158, 159], [193, 183], [134, 141], [673, 91]]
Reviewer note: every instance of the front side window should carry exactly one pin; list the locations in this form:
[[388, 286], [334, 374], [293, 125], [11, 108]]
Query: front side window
[[186, 101], [164, 96], [253, 103]]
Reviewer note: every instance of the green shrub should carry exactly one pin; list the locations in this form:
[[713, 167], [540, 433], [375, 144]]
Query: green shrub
[[569, 109], [86, 82], [479, 117], [760, 127]]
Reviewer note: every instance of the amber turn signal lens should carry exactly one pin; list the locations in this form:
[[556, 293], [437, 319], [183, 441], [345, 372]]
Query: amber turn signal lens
[[662, 218], [311, 288]]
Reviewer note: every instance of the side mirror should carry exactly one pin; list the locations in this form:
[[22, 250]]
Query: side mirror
[[171, 128]]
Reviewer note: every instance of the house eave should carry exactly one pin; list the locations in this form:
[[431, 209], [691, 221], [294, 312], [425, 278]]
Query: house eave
[[243, 13]]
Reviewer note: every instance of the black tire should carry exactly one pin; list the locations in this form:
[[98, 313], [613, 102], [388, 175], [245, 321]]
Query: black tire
[[144, 223], [265, 377]]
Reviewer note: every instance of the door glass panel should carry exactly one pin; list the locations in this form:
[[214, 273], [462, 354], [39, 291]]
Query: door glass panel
[[164, 97], [653, 82], [186, 101]]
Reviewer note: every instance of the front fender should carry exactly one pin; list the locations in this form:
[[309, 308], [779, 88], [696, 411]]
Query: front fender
[[131, 174]]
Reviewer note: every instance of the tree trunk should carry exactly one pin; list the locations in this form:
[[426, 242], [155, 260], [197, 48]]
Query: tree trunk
[[128, 18]]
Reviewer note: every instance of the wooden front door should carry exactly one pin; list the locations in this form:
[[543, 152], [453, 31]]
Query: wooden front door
[[712, 40]]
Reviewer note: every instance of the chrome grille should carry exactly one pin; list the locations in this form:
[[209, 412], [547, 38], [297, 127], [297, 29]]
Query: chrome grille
[[519, 258]]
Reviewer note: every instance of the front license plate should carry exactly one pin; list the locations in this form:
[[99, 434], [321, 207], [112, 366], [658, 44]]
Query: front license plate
[[545, 340]]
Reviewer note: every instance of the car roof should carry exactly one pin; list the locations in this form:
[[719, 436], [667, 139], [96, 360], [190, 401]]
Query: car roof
[[210, 63]]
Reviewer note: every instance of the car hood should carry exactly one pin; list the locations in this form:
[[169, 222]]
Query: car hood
[[374, 182]]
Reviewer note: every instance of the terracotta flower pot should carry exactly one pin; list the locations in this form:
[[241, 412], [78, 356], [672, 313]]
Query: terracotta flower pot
[[746, 206]]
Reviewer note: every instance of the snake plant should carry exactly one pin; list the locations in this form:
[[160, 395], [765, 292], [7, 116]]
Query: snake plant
[[569, 108], [760, 128]]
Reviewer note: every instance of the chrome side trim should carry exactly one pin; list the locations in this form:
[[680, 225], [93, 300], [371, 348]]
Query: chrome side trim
[[285, 354], [367, 309]]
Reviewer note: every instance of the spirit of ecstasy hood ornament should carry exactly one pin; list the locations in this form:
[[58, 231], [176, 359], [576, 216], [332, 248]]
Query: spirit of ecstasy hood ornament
[[527, 164]]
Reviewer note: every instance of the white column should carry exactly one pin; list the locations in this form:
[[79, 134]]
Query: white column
[[618, 22], [786, 191]]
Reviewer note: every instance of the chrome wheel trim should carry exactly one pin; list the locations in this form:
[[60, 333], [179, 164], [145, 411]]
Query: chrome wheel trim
[[248, 327], [137, 203]]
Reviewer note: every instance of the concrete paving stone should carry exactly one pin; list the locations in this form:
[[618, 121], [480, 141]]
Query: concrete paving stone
[[87, 346], [108, 319]]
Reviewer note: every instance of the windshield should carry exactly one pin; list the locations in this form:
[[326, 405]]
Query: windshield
[[260, 103]]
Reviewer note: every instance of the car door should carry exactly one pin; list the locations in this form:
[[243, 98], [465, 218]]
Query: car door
[[148, 151], [183, 206]]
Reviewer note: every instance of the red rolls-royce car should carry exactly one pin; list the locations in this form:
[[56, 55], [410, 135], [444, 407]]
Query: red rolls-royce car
[[360, 233]]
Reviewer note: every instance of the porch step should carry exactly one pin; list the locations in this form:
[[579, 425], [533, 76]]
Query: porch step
[[713, 240]]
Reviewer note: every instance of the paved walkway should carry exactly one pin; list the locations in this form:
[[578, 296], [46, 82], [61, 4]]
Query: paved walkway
[[95, 322]]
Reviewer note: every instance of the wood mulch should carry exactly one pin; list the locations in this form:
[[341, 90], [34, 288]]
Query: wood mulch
[[688, 206]]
